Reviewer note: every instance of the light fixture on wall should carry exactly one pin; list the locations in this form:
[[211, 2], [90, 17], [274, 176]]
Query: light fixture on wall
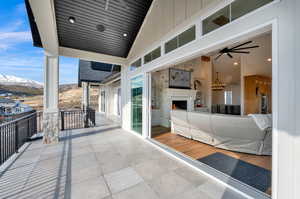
[[269, 59], [218, 85], [124, 34], [236, 63]]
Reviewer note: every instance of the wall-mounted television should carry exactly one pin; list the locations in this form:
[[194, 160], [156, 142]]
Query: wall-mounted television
[[179, 78]]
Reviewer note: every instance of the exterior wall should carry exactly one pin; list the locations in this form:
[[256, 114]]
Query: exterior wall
[[282, 17], [167, 16], [111, 101]]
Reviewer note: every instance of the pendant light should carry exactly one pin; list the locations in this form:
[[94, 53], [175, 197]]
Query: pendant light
[[218, 85]]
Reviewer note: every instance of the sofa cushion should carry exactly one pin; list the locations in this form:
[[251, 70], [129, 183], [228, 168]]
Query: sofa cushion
[[180, 123], [236, 127], [200, 125], [180, 118]]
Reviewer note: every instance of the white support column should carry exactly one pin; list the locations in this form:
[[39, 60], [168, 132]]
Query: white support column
[[51, 110], [85, 95]]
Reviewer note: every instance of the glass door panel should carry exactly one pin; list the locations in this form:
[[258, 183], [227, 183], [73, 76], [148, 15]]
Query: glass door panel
[[137, 104]]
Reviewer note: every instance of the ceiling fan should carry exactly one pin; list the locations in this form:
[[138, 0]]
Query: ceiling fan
[[237, 49], [122, 2]]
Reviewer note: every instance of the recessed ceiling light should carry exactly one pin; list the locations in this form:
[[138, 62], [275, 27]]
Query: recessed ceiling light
[[235, 63], [269, 59], [124, 34], [72, 20]]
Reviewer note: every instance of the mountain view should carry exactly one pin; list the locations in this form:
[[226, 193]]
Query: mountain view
[[13, 80], [30, 92]]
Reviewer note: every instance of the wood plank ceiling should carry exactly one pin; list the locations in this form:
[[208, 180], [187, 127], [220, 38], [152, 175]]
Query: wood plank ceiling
[[120, 19]]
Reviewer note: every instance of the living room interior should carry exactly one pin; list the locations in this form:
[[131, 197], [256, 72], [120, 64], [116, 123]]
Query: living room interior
[[216, 109]]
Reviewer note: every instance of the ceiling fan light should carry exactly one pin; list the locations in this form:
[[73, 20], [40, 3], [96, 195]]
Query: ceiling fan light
[[72, 20]]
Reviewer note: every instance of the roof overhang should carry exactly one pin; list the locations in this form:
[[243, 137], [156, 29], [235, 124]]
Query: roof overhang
[[52, 31]]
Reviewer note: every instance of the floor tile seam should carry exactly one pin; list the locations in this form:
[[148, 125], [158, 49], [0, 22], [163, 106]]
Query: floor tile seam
[[102, 173]]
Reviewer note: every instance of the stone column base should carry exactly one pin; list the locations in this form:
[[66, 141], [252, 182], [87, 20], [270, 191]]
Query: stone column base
[[51, 127]]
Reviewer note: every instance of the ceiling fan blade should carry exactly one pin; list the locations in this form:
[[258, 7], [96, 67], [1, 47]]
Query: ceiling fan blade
[[245, 52], [229, 55], [218, 56], [245, 48], [248, 42], [124, 4], [106, 4]]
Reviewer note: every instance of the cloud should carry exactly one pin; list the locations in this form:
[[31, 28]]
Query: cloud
[[15, 36], [10, 39], [19, 60]]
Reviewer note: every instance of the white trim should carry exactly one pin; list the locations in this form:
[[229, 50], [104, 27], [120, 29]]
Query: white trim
[[91, 56], [149, 113], [44, 16], [144, 108], [256, 30], [198, 23], [275, 107], [238, 19], [157, 65]]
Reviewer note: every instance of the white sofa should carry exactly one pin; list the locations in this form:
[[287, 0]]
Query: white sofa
[[235, 133]]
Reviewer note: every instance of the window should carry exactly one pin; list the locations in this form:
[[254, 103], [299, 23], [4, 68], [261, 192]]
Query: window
[[187, 36], [105, 67], [152, 55], [231, 12], [136, 64], [217, 20], [242, 7], [181, 39], [228, 97], [171, 45]]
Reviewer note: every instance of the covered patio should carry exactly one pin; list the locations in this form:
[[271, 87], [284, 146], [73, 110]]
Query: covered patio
[[103, 162]]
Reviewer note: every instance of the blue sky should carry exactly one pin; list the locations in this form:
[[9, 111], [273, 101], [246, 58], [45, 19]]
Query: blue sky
[[17, 55]]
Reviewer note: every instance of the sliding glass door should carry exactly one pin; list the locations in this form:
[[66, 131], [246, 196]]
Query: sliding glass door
[[137, 104]]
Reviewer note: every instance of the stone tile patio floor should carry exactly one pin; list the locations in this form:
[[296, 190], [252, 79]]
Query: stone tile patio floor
[[104, 162]]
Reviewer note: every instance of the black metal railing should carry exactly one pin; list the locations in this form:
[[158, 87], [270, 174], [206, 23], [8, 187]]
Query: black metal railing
[[15, 133], [76, 119], [8, 118]]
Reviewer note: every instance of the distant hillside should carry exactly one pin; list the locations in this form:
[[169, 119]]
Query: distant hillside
[[18, 90], [69, 98], [66, 87]]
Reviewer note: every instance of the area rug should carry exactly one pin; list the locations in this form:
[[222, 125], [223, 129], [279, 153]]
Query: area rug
[[255, 176]]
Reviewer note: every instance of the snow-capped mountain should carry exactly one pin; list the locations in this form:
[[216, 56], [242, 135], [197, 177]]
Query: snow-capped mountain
[[13, 80]]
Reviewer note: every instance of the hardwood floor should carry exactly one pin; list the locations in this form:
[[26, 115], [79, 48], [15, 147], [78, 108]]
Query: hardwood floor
[[196, 150]]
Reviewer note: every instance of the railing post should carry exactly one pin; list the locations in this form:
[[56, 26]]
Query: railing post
[[1, 145], [35, 123], [86, 118], [28, 128], [62, 120], [16, 137]]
